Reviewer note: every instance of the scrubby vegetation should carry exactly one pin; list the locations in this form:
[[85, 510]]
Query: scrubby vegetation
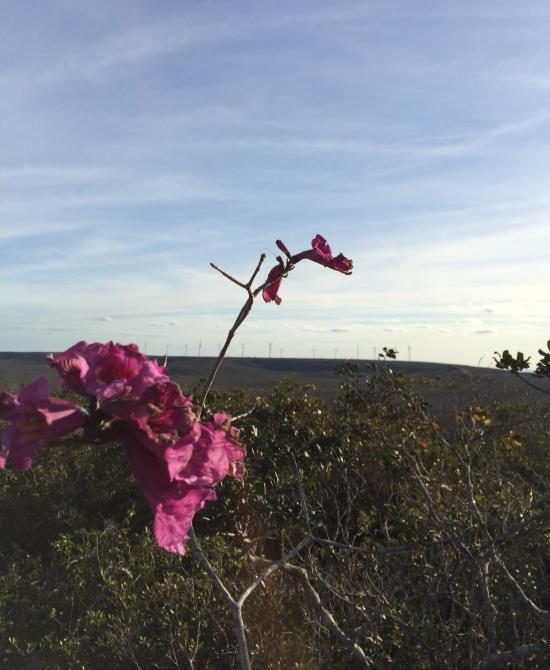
[[429, 543]]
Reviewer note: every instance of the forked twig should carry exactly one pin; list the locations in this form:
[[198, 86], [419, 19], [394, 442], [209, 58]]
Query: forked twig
[[245, 310], [236, 604]]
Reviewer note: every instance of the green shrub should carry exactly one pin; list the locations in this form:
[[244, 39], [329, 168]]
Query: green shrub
[[82, 584]]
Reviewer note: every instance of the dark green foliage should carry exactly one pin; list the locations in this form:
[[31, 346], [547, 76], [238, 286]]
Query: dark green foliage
[[506, 361], [543, 366], [388, 353], [82, 584]]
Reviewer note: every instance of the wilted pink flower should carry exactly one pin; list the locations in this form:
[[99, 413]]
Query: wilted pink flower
[[320, 252], [177, 460], [176, 495], [162, 419], [35, 420], [271, 292], [217, 453], [174, 514], [106, 370], [72, 365]]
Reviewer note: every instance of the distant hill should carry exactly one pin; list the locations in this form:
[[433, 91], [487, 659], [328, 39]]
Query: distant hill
[[446, 387]]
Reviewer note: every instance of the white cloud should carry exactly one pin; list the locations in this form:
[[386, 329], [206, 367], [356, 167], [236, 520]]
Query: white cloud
[[315, 329], [173, 153]]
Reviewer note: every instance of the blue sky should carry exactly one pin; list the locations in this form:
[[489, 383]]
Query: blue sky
[[141, 140]]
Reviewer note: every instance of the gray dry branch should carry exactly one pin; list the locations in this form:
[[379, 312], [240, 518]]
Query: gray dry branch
[[235, 604], [477, 544], [455, 576]]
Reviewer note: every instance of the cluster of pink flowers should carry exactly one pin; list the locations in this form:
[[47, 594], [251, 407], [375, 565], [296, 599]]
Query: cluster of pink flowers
[[176, 458]]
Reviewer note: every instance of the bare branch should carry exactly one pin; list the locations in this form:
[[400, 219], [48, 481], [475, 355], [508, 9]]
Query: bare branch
[[533, 386], [200, 556], [544, 615], [245, 310], [273, 567], [303, 501], [517, 654], [328, 619], [234, 607], [254, 274], [228, 276], [240, 318], [248, 413]]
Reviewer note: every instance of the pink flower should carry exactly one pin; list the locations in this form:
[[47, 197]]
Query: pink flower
[[216, 454], [173, 503], [35, 420], [320, 252], [106, 370], [175, 496], [158, 420], [271, 292], [73, 366], [177, 460], [174, 514]]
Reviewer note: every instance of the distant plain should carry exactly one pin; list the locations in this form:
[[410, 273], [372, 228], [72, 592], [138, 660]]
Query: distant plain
[[447, 388]]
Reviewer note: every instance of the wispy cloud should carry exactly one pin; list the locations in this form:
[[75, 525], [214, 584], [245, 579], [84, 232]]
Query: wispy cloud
[[141, 145]]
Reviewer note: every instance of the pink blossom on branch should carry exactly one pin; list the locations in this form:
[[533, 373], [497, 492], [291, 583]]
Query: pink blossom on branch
[[217, 453], [162, 420], [72, 365], [106, 370], [177, 461], [320, 252], [34, 420], [176, 496], [271, 292]]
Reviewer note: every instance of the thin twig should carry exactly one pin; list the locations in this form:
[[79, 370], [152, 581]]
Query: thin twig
[[533, 386], [228, 276], [273, 567], [245, 310], [518, 654], [234, 606], [200, 556], [253, 277], [383, 551], [240, 318], [328, 619], [248, 413], [301, 491]]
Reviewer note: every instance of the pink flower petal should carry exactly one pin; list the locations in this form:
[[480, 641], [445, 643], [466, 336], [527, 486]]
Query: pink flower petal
[[35, 420], [174, 514], [106, 370], [178, 483], [271, 292], [320, 252]]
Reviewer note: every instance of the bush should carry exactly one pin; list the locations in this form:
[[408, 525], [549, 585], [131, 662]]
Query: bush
[[444, 534]]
